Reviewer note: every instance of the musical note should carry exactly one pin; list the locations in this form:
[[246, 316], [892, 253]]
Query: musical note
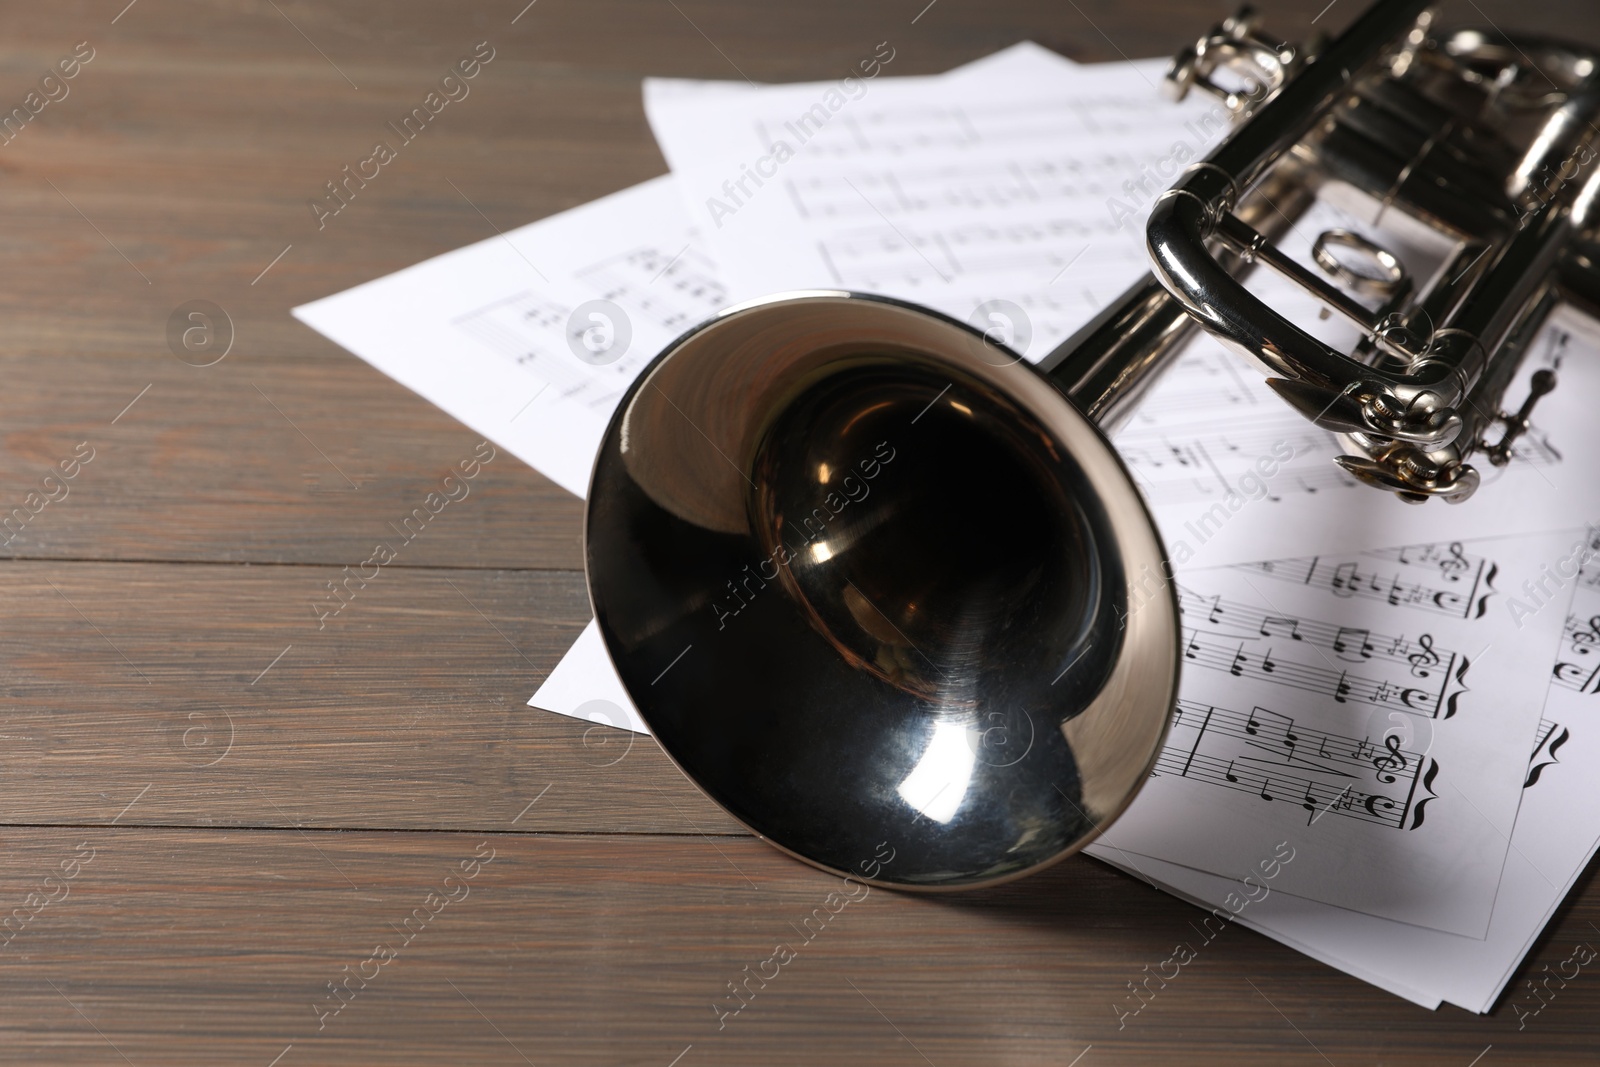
[[531, 332], [1359, 639], [1272, 623], [1342, 689], [1238, 663], [1353, 645], [1344, 580], [1421, 661], [632, 279]]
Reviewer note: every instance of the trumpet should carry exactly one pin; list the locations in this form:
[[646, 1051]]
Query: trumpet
[[930, 545]]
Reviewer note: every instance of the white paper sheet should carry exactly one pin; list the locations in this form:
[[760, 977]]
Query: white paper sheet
[[506, 334], [951, 193], [1554, 838]]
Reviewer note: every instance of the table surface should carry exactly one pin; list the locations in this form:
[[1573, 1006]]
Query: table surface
[[249, 802]]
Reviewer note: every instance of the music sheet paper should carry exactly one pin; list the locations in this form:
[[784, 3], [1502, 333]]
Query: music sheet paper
[[1556, 834], [949, 192], [1372, 708], [504, 336]]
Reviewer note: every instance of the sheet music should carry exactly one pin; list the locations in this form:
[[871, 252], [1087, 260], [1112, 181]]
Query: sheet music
[[1260, 752], [1554, 838], [1447, 579], [1295, 671], [951, 194], [506, 336], [1577, 668]]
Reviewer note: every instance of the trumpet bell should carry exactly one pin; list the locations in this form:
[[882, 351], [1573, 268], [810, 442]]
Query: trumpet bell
[[873, 580]]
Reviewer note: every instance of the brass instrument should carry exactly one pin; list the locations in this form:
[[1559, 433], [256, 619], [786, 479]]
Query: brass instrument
[[868, 575]]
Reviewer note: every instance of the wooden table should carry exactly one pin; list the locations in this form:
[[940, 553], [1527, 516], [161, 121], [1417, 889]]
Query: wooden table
[[215, 809]]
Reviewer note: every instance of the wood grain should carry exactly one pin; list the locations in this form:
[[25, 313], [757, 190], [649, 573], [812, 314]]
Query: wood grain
[[211, 694], [268, 799], [191, 947]]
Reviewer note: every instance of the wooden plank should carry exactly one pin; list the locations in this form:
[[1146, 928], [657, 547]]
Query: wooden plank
[[287, 463], [208, 947], [210, 694]]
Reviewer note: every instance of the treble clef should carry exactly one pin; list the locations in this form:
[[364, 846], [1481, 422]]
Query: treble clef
[[1452, 565], [1421, 661], [1391, 760]]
